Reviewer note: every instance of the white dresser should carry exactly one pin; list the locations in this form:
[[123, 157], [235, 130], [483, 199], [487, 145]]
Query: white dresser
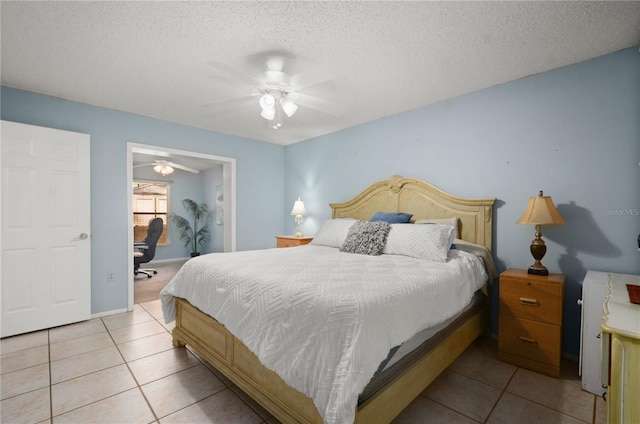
[[620, 351]]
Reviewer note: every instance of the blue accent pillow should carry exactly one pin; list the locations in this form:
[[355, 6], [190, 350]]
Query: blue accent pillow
[[392, 217]]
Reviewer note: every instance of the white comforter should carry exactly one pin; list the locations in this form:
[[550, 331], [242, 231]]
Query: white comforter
[[322, 319]]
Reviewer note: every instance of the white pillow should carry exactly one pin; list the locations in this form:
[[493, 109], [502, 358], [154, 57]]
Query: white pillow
[[431, 242], [333, 232], [447, 221]]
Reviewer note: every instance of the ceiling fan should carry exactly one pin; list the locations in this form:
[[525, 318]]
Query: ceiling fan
[[277, 93], [166, 167]]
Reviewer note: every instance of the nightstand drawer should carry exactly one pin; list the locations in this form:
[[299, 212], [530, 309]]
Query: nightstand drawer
[[291, 241], [287, 243], [531, 299], [530, 339]]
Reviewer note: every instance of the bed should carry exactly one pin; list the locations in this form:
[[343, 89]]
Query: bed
[[228, 354]]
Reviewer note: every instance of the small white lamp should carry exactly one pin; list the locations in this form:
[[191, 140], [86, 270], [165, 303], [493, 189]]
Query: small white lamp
[[298, 211]]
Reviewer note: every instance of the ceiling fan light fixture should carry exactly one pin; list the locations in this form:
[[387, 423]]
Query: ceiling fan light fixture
[[289, 107], [268, 113], [163, 169], [268, 101]]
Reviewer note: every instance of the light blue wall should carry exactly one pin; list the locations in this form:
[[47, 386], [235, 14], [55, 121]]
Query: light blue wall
[[213, 178], [260, 173], [572, 132]]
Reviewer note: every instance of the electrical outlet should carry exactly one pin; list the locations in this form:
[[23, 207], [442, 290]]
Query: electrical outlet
[[110, 276]]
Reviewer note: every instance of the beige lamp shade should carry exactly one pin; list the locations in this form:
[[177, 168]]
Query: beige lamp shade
[[541, 211]]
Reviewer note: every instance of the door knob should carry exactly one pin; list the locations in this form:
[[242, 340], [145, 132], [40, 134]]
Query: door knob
[[82, 236]]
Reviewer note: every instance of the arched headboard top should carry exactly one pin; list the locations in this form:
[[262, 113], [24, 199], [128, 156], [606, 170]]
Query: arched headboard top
[[424, 201]]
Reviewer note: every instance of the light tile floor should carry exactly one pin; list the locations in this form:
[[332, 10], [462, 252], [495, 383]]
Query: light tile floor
[[124, 369]]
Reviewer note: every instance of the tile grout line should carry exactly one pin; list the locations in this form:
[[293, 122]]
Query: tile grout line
[[443, 405], [547, 407], [477, 381], [502, 392], [126, 363]]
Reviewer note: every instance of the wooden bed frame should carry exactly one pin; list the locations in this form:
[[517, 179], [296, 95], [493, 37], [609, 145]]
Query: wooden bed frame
[[232, 358]]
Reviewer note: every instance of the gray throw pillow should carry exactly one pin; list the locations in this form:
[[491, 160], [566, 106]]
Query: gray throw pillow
[[366, 238]]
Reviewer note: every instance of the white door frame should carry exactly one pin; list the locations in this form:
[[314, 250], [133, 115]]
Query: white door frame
[[229, 176]]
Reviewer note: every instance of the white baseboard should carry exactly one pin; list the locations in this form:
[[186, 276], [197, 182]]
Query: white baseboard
[[107, 313]]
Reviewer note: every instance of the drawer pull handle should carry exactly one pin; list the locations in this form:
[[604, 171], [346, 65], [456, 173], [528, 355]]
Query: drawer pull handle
[[528, 302], [527, 340]]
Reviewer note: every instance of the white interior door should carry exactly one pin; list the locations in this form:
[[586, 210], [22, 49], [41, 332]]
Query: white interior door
[[45, 214]]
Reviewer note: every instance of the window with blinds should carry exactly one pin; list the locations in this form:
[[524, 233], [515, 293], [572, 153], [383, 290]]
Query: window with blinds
[[150, 200]]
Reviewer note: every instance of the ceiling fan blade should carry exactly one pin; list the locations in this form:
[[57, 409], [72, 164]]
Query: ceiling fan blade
[[184, 168], [318, 104], [320, 88], [143, 164], [231, 100], [235, 73], [230, 104], [308, 79]]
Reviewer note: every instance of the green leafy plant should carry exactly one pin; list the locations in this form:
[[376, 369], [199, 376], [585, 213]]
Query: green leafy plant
[[198, 234]]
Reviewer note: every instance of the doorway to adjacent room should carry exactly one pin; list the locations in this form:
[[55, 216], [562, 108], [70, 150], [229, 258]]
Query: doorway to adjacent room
[[136, 292]]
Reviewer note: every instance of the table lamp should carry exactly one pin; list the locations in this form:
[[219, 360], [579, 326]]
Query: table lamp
[[540, 211], [298, 211]]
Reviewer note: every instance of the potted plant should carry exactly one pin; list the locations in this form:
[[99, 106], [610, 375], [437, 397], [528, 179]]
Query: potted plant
[[198, 234]]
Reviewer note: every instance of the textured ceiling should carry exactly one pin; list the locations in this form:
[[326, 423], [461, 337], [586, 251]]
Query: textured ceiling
[[372, 59]]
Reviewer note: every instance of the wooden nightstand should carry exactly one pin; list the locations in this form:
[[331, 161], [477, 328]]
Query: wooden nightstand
[[530, 320], [290, 241]]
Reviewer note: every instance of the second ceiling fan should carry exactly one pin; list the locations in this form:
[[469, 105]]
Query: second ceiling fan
[[166, 167]]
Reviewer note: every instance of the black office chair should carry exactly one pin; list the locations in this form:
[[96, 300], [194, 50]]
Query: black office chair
[[143, 256]]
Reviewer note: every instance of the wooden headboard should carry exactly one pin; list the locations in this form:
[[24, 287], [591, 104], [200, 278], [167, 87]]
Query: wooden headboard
[[424, 201]]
